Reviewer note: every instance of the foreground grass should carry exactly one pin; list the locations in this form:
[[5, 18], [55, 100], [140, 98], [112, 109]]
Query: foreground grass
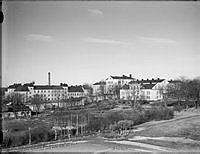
[[174, 145], [184, 128], [188, 127]]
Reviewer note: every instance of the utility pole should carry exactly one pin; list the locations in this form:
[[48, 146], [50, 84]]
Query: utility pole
[[77, 124], [55, 134], [29, 132]]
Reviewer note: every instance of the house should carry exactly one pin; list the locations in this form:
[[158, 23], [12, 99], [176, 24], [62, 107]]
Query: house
[[152, 90], [75, 91], [113, 81], [149, 89], [11, 88]]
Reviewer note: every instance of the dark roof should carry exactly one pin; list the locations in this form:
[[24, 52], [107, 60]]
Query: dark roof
[[29, 84], [147, 81], [125, 86], [121, 77], [22, 88], [64, 84], [148, 86], [134, 81], [100, 83], [87, 87], [14, 86], [75, 89], [41, 87]]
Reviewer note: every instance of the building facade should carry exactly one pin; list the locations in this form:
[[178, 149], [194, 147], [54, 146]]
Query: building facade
[[75, 91], [119, 81], [99, 88]]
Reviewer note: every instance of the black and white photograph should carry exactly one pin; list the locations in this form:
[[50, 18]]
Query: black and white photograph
[[100, 76]]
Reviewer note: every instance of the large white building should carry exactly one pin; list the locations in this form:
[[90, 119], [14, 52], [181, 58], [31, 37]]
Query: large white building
[[149, 89], [113, 81], [48, 93]]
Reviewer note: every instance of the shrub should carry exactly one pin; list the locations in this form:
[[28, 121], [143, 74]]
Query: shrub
[[16, 139], [158, 113], [41, 134]]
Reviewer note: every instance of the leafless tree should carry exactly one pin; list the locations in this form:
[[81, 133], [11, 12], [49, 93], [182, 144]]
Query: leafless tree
[[37, 102], [16, 102]]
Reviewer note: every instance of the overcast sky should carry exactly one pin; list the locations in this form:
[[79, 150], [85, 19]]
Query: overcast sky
[[84, 42]]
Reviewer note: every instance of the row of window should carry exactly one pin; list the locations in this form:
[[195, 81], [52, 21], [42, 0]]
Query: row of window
[[44, 91], [75, 94]]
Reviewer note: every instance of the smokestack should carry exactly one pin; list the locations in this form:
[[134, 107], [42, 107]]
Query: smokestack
[[49, 79]]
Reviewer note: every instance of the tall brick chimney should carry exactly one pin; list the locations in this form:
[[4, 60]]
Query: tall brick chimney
[[49, 79]]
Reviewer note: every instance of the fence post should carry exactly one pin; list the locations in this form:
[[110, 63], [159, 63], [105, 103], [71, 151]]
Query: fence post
[[29, 134]]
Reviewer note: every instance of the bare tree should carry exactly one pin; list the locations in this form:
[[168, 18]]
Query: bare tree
[[186, 90], [194, 90], [16, 102], [37, 102]]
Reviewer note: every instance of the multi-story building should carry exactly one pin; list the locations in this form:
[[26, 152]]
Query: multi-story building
[[51, 93], [153, 89], [119, 81], [47, 93], [149, 89]]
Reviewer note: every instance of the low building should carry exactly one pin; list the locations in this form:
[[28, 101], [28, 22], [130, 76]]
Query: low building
[[73, 102], [75, 91]]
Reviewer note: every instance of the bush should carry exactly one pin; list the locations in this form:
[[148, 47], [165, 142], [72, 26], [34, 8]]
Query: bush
[[158, 113], [42, 134], [16, 139]]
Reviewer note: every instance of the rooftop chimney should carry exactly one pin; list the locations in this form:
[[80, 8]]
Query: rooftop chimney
[[49, 79], [130, 75]]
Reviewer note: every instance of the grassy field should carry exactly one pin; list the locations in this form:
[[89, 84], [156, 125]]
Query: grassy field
[[184, 130]]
